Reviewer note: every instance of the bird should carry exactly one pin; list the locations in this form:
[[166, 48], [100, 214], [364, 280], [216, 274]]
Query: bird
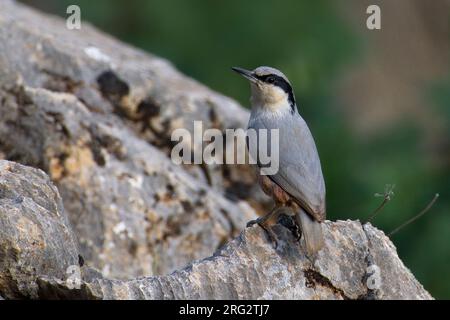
[[298, 186]]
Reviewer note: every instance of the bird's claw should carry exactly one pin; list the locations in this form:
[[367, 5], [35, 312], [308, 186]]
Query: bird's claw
[[297, 234], [252, 222]]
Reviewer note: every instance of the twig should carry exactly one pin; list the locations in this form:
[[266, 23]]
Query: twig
[[428, 207], [388, 193]]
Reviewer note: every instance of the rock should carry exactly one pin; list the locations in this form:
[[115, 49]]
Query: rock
[[35, 238], [249, 268], [37, 248], [101, 129], [398, 282]]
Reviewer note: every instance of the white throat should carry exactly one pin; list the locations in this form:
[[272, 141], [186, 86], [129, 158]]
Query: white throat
[[279, 110], [270, 98]]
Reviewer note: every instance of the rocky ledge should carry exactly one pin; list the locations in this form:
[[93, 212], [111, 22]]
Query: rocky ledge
[[40, 259]]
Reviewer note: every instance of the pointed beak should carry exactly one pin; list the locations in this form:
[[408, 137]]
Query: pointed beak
[[245, 73]]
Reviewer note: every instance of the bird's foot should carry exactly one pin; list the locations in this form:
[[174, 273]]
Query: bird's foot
[[289, 223], [252, 222], [297, 233]]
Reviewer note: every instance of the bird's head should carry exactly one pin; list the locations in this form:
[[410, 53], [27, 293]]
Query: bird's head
[[271, 89]]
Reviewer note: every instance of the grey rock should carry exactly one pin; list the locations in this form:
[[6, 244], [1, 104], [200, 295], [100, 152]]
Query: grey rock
[[35, 238], [100, 127], [146, 92], [37, 248], [250, 268], [384, 254]]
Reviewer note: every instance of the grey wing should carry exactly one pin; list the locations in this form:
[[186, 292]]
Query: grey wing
[[300, 172]]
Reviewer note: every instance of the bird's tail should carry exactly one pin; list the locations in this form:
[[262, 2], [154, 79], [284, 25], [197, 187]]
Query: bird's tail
[[312, 232]]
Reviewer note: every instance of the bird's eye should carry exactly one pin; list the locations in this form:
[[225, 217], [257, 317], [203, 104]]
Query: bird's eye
[[270, 79]]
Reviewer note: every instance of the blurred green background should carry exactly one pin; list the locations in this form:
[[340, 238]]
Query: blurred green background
[[377, 102]]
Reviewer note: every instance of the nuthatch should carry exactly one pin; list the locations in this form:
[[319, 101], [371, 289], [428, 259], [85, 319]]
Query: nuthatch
[[298, 186]]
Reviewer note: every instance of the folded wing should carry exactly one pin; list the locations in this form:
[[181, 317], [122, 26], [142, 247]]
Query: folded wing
[[300, 172]]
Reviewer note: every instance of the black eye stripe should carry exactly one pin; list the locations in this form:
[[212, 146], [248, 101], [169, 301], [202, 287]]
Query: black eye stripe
[[282, 83]]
